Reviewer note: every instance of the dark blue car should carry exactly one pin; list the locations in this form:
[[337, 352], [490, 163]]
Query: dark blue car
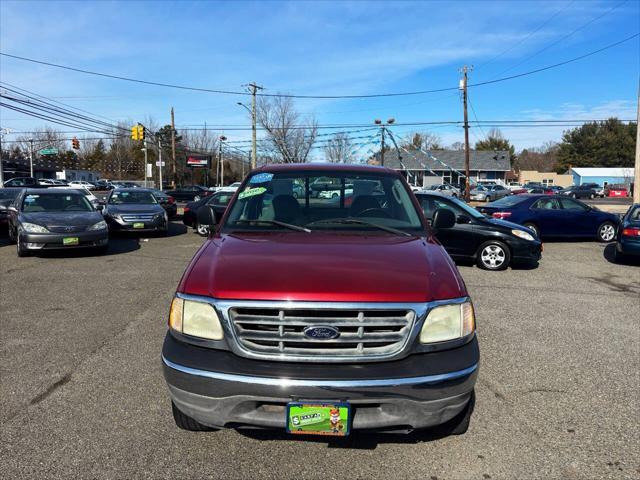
[[628, 238], [555, 216]]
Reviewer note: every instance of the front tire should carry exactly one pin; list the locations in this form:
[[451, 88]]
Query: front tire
[[20, 250], [493, 255], [202, 230], [185, 422], [606, 232]]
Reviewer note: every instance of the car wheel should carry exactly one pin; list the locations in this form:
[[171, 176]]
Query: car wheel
[[295, 194], [202, 230], [196, 198], [533, 227], [334, 195], [606, 232], [573, 195], [12, 237], [185, 422], [487, 199], [20, 250], [459, 424], [493, 255], [592, 196]]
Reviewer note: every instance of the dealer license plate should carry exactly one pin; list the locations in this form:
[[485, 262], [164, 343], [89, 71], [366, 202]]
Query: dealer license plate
[[319, 418], [70, 241], [138, 225]]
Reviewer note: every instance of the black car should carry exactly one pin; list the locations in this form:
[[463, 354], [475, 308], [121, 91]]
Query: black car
[[580, 191], [7, 196], [189, 193], [103, 185], [166, 201], [218, 201], [24, 182], [55, 219], [135, 209], [493, 244]]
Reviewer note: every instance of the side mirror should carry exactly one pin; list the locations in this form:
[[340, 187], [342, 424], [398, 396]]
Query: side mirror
[[100, 207], [12, 209], [463, 219], [207, 216], [443, 218]]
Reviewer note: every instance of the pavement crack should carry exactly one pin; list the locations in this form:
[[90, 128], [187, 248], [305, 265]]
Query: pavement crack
[[544, 390], [52, 388]]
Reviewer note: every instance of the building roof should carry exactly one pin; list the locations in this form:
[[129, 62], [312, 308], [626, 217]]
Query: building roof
[[483, 160], [603, 172]]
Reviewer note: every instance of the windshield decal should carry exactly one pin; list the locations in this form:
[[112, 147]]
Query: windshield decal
[[261, 178], [252, 192]]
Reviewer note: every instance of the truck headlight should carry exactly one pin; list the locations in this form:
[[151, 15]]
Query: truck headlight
[[101, 225], [448, 322], [33, 228], [197, 319]]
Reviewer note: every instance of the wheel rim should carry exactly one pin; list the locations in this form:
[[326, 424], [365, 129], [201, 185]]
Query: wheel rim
[[196, 198], [607, 232], [203, 229], [493, 256]]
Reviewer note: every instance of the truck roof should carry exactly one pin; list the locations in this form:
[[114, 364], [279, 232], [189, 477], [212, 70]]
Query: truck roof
[[324, 167]]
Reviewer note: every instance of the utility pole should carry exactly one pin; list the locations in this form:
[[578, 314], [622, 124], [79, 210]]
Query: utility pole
[[31, 155], [3, 132], [463, 86], [145, 161], [636, 182], [160, 162], [173, 150], [382, 132], [221, 161], [382, 148], [254, 141]]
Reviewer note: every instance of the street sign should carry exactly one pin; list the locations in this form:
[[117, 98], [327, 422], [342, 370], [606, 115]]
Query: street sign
[[48, 151], [199, 161], [149, 170], [160, 164]]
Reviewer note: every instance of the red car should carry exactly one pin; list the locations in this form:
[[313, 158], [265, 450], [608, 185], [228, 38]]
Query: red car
[[617, 191], [322, 315]]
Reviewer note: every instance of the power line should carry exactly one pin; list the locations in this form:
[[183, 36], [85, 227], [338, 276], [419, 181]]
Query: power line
[[546, 22], [564, 37], [284, 95]]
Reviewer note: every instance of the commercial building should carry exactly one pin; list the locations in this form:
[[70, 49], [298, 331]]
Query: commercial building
[[602, 176], [448, 165], [545, 178]]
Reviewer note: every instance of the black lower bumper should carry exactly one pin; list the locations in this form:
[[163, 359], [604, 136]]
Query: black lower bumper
[[219, 389]]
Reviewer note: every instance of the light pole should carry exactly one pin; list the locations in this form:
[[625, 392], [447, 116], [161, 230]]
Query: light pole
[[254, 147], [221, 161], [382, 132], [3, 132], [31, 155]]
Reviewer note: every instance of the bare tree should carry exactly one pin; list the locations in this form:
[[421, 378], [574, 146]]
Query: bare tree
[[289, 137], [46, 137], [339, 149], [456, 146], [422, 140]]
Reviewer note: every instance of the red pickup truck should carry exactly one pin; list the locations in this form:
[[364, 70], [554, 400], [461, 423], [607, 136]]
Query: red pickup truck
[[322, 316]]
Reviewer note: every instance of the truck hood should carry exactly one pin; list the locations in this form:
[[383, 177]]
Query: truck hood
[[319, 266]]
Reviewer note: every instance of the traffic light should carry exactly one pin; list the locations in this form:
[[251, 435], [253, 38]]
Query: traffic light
[[75, 143], [141, 132], [134, 133]]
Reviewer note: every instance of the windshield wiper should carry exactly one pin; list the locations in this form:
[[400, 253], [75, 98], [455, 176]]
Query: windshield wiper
[[357, 221], [297, 228]]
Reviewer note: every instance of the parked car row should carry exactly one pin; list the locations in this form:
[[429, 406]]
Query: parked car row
[[64, 218]]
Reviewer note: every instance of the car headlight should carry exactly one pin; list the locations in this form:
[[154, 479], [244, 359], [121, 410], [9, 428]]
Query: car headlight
[[101, 225], [197, 319], [448, 322], [33, 228], [523, 234]]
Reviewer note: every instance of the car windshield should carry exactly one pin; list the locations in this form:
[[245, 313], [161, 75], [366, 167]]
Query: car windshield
[[354, 201], [635, 214], [480, 188], [508, 201], [56, 202], [125, 198], [468, 209]]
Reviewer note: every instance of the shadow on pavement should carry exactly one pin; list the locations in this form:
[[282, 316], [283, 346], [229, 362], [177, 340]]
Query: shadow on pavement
[[609, 253]]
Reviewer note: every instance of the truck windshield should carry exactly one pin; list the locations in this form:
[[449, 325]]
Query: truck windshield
[[320, 201]]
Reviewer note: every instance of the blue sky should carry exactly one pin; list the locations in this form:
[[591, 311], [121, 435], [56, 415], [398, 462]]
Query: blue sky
[[328, 48]]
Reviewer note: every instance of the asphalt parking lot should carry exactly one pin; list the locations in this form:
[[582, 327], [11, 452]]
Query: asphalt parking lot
[[83, 393]]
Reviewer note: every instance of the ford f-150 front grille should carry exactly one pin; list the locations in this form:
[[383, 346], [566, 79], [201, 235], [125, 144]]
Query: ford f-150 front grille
[[321, 332]]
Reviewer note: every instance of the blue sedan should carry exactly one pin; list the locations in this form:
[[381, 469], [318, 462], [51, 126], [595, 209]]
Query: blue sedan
[[555, 216], [628, 238]]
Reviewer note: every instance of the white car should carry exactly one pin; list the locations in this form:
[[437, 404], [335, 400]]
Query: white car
[[88, 195], [445, 189], [230, 188], [335, 193], [514, 186], [81, 184]]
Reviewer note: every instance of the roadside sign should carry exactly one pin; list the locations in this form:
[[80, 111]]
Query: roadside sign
[[149, 170], [159, 164], [199, 161], [48, 151]]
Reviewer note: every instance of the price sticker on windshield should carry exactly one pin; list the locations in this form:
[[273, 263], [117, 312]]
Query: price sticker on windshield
[[252, 192]]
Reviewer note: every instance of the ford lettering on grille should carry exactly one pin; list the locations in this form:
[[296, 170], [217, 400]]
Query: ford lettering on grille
[[321, 332]]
